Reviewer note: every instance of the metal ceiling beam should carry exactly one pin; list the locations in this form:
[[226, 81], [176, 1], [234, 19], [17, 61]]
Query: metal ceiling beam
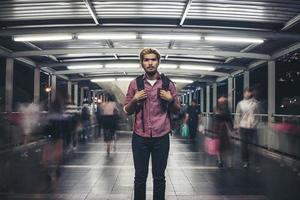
[[166, 29], [64, 64], [92, 11], [251, 66], [295, 20], [186, 10], [283, 52], [52, 71], [256, 64], [5, 52], [248, 48], [136, 51], [38, 48], [27, 61], [140, 70], [8, 53]]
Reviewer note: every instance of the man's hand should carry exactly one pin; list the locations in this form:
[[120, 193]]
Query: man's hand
[[166, 95], [140, 95]]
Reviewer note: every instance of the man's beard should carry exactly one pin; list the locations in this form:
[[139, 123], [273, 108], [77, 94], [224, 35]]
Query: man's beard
[[152, 73]]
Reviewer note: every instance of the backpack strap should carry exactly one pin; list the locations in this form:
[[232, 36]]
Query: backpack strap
[[140, 82], [165, 82], [140, 106], [165, 86], [164, 104]]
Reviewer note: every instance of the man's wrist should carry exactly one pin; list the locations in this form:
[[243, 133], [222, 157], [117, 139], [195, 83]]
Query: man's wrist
[[172, 101]]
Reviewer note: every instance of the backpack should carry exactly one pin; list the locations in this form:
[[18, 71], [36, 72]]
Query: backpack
[[163, 103]]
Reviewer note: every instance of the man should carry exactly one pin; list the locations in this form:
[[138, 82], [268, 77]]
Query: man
[[193, 118], [246, 121], [152, 125]]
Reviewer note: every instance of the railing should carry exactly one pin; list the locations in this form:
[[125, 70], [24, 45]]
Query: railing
[[282, 135]]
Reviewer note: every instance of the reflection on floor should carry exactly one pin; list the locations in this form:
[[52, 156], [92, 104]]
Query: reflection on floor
[[90, 174]]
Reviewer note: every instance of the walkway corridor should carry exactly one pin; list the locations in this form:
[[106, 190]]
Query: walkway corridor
[[90, 174]]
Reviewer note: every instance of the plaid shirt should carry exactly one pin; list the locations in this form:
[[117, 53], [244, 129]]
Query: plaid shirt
[[156, 121]]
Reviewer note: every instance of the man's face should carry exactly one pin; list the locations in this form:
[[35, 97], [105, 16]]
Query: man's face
[[222, 101], [150, 64], [247, 95]]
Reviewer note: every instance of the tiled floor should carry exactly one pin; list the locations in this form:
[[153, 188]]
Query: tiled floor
[[90, 174]]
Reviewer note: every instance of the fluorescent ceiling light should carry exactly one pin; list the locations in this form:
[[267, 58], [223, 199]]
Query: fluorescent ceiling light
[[233, 39], [167, 66], [97, 80], [42, 37], [197, 67], [129, 58], [181, 80], [125, 65], [125, 79], [106, 36], [83, 54], [170, 37], [85, 66], [191, 56]]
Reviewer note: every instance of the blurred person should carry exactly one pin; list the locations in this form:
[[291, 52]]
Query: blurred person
[[183, 118], [55, 117], [29, 120], [222, 126], [245, 123], [99, 117], [151, 97], [71, 136], [86, 121], [109, 114], [193, 112]]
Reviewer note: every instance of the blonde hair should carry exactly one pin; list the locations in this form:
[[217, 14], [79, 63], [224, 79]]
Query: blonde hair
[[147, 51]]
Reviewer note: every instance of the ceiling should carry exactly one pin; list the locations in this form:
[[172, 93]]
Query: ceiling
[[274, 21]]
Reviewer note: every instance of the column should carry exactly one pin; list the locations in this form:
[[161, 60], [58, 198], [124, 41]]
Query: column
[[246, 79], [9, 81], [214, 95], [234, 94], [230, 92], [36, 90], [53, 88], [69, 91], [76, 94], [202, 99], [271, 90], [207, 99]]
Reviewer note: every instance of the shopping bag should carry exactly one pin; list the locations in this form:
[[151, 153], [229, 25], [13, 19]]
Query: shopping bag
[[184, 130], [52, 152], [212, 145]]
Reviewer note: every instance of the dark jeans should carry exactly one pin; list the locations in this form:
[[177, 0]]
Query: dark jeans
[[193, 129], [142, 148], [248, 136]]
